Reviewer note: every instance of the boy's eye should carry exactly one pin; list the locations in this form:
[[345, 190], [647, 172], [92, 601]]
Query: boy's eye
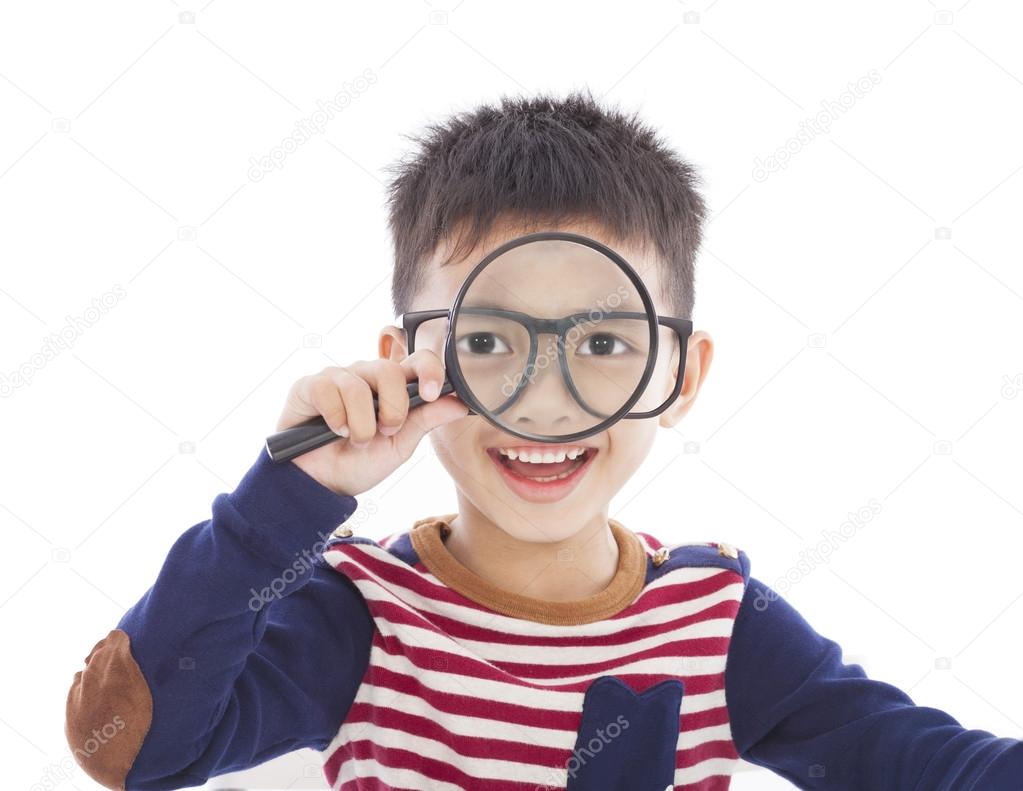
[[602, 344], [482, 343]]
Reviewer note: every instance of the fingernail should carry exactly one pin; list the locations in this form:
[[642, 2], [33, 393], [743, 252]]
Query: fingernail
[[342, 431], [389, 431], [431, 390]]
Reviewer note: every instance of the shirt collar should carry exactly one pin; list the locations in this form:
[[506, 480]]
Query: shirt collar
[[427, 536]]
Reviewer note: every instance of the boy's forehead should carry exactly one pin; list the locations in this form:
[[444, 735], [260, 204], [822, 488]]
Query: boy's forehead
[[441, 283]]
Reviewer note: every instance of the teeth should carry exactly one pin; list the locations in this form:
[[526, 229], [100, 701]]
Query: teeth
[[538, 457]]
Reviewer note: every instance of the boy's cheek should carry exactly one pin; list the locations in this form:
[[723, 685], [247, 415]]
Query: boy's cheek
[[629, 443], [458, 435], [456, 444]]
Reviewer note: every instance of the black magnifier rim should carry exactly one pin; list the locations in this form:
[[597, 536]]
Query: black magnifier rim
[[455, 371]]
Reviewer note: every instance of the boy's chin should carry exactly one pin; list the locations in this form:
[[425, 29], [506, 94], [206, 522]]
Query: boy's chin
[[538, 527]]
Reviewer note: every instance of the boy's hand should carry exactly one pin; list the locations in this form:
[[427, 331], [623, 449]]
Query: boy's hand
[[377, 444]]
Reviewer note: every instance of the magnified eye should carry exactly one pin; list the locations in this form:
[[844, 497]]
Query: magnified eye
[[602, 344], [482, 343]]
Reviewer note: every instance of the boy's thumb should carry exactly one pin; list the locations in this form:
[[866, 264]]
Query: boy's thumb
[[423, 419]]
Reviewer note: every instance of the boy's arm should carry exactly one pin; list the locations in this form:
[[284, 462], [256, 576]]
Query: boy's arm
[[797, 709], [246, 647]]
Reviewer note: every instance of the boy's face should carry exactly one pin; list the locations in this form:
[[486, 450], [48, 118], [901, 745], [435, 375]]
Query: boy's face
[[469, 448]]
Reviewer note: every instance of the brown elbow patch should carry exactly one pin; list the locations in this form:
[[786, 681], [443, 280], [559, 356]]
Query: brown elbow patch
[[109, 711]]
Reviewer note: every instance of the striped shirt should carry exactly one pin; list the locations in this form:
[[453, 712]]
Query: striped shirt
[[459, 695]]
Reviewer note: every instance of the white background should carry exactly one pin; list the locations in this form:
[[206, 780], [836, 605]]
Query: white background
[[862, 353]]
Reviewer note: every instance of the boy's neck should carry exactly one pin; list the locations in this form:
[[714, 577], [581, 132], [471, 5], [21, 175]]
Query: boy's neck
[[535, 568]]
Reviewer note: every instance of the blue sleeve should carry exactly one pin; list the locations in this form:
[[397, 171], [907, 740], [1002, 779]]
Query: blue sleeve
[[800, 711], [248, 643]]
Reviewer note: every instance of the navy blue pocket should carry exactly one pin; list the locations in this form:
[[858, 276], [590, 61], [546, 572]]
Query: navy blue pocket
[[626, 742]]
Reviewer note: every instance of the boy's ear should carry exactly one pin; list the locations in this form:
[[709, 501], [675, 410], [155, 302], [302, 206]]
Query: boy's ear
[[699, 353], [392, 344]]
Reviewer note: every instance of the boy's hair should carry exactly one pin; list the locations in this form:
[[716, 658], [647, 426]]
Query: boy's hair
[[542, 160]]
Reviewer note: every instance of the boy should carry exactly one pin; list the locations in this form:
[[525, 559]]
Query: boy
[[459, 653]]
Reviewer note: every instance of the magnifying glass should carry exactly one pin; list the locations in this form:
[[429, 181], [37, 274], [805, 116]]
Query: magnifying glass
[[552, 337]]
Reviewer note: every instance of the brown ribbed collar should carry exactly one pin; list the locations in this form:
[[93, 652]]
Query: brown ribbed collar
[[428, 536]]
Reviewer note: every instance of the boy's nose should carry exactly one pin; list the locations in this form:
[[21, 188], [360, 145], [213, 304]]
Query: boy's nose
[[546, 405]]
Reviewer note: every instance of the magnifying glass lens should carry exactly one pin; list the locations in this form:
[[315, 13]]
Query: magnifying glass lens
[[552, 338]]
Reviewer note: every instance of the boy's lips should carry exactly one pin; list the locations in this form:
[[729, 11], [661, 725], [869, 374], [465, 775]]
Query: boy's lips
[[560, 477]]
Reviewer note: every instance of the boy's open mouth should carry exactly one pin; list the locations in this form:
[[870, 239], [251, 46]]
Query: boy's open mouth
[[541, 473]]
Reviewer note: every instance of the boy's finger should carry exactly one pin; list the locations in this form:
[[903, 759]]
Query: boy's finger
[[358, 402], [387, 379], [325, 399], [427, 367], [306, 399]]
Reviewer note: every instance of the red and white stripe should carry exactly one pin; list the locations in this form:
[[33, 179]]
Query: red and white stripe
[[457, 696]]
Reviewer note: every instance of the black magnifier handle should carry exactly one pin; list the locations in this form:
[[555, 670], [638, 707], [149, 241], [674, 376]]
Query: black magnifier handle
[[315, 433]]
